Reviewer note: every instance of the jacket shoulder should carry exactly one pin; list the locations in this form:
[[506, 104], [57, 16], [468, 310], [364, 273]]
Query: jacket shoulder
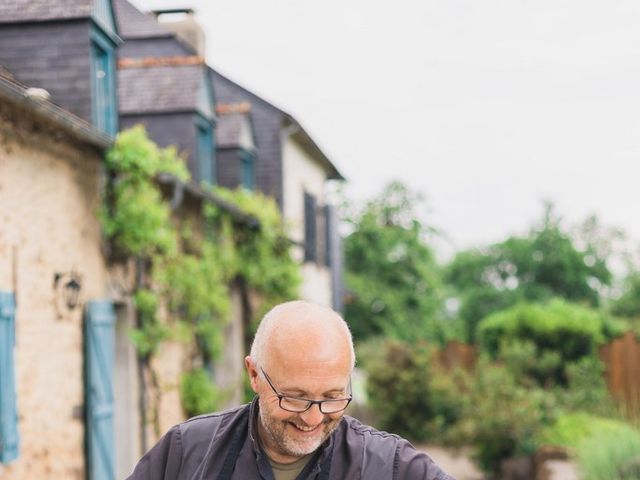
[[198, 431], [389, 456]]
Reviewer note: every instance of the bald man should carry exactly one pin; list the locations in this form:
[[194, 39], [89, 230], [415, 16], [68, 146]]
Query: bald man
[[295, 429]]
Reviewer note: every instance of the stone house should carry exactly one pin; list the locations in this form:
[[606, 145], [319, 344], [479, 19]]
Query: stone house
[[70, 380]]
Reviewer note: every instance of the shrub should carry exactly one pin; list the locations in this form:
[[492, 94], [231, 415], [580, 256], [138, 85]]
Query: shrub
[[502, 418], [540, 341], [605, 449], [408, 392], [610, 453]]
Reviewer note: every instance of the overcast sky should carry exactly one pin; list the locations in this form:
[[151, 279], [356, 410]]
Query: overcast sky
[[487, 107]]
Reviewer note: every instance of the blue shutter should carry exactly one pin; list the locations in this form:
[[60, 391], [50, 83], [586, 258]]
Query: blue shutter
[[205, 153], [310, 228], [247, 167], [9, 439], [99, 364]]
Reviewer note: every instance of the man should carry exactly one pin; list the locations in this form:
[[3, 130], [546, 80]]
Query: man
[[300, 367]]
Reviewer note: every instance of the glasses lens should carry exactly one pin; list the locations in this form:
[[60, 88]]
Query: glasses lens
[[294, 404], [333, 406]]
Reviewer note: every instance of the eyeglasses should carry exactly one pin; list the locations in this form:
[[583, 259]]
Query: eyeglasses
[[299, 405]]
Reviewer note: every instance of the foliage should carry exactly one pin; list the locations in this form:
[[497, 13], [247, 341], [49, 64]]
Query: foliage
[[391, 272], [628, 303], [586, 389], [150, 333], [263, 253], [183, 278], [197, 394], [605, 449], [541, 340], [502, 418], [544, 264], [135, 217], [408, 393], [611, 452]]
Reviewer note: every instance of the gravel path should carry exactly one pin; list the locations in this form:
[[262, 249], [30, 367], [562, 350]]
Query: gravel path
[[455, 463]]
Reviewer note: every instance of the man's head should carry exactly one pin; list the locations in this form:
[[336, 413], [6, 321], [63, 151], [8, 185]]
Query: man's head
[[307, 352]]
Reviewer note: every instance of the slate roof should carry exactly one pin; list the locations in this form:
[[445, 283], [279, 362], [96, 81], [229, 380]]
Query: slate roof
[[231, 118], [12, 11], [132, 23], [155, 89], [50, 114], [266, 119], [229, 129]]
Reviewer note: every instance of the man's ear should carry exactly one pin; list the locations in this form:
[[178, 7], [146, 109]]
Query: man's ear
[[252, 371]]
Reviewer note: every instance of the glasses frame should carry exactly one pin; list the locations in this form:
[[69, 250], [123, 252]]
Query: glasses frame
[[310, 402]]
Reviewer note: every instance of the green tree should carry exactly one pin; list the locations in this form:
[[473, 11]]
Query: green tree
[[544, 264], [628, 303], [391, 272]]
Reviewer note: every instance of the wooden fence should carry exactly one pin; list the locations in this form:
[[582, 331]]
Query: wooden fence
[[622, 360], [620, 356]]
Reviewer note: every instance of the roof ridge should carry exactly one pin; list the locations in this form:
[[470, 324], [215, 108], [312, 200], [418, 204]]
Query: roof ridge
[[148, 62], [235, 107]]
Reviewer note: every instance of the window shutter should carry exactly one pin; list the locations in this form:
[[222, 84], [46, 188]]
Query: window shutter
[[329, 227], [310, 228], [99, 364], [103, 85], [205, 152], [9, 438]]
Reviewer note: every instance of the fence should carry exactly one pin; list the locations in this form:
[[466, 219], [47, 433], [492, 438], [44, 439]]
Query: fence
[[622, 360]]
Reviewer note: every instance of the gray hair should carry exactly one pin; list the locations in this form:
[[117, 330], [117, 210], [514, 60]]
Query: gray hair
[[269, 323]]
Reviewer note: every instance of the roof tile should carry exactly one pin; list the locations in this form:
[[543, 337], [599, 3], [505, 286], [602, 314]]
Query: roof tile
[[159, 89], [37, 10], [132, 23]]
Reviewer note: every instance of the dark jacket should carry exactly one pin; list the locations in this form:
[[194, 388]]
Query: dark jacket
[[223, 446]]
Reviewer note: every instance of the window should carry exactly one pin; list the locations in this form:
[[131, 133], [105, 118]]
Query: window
[[103, 108], [310, 228], [9, 438]]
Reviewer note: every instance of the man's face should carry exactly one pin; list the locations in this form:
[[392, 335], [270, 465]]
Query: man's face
[[292, 435]]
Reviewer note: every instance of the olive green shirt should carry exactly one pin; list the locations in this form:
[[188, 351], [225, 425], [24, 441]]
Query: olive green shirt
[[289, 471]]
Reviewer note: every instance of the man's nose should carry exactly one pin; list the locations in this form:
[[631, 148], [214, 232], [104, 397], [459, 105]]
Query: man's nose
[[313, 416]]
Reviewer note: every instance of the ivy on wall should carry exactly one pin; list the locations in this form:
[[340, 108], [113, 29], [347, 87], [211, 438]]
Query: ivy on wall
[[184, 271]]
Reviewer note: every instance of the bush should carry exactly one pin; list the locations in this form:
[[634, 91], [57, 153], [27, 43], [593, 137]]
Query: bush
[[540, 341], [502, 418], [408, 393], [605, 449], [587, 389]]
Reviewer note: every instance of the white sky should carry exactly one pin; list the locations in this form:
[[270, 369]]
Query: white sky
[[487, 107]]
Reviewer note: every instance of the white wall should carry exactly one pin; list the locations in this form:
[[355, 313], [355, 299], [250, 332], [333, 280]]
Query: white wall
[[302, 174]]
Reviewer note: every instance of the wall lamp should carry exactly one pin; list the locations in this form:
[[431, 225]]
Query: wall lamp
[[69, 284]]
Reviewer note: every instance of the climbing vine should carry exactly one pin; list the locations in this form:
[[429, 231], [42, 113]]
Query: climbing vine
[[185, 270]]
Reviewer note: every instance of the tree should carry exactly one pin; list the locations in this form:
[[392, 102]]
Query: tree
[[544, 264], [628, 303], [391, 272]]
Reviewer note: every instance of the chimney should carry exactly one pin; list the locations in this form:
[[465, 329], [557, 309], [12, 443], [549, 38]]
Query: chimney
[[182, 22]]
